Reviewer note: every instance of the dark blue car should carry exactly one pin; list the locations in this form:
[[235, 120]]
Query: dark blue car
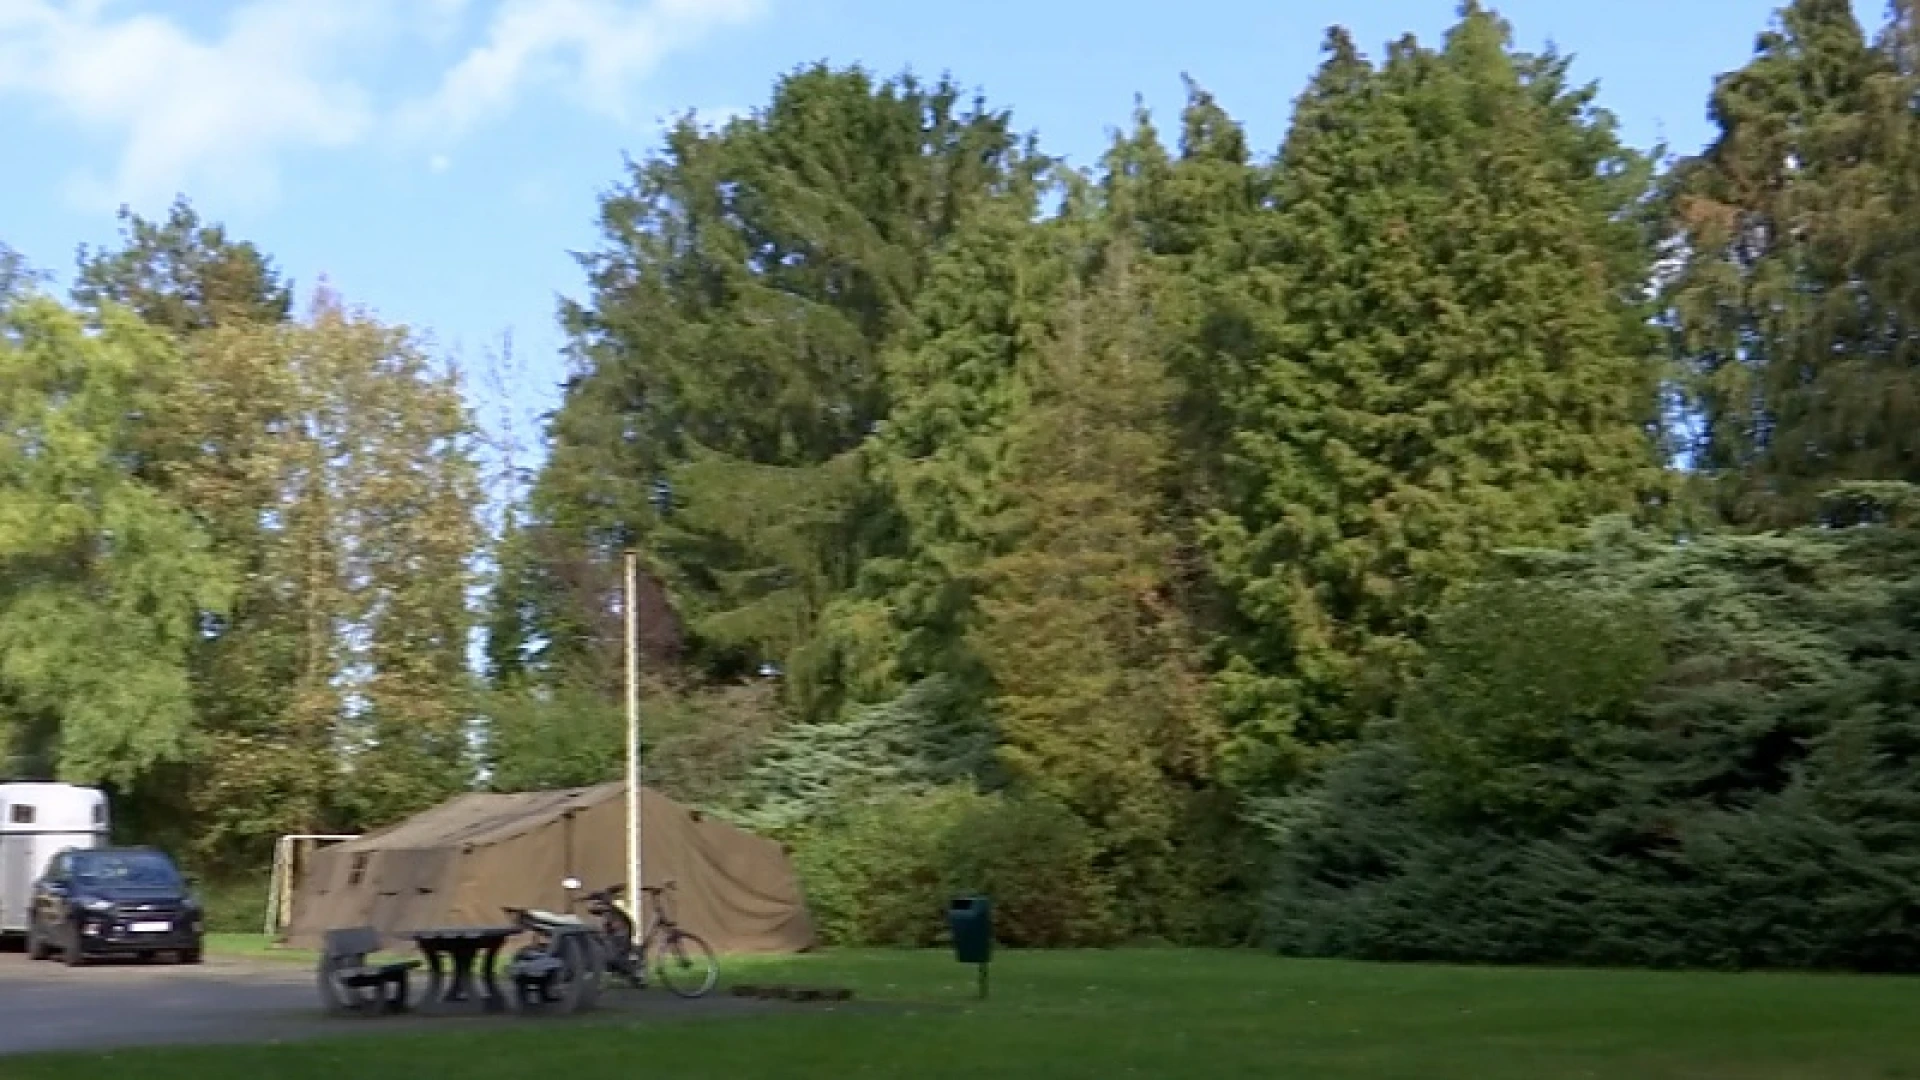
[[124, 901]]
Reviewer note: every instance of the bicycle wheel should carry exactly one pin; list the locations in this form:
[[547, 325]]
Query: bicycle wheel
[[686, 964]]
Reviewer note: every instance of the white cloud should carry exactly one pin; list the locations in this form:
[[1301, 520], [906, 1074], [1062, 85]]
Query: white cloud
[[218, 113], [595, 50], [439, 163], [188, 110]]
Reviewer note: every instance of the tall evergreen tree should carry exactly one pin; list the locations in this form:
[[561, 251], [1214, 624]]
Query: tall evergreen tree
[[509, 620], [962, 369], [183, 274], [1198, 217], [1456, 360], [1794, 306], [1040, 452], [1096, 680], [955, 379], [732, 351]]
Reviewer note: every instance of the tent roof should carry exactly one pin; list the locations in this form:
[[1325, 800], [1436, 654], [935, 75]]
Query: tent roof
[[481, 818]]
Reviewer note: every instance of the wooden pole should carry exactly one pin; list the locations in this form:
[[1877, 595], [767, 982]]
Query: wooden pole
[[632, 605]]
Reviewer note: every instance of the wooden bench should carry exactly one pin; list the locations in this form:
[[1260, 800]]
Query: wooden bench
[[350, 982]]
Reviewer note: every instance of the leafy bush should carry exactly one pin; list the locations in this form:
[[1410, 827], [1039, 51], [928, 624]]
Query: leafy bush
[[1036, 860], [235, 903], [873, 874], [1531, 682], [881, 873]]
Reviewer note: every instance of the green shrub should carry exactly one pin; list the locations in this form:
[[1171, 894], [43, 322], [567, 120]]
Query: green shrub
[[1529, 684], [1036, 860], [881, 872], [873, 874], [1753, 805]]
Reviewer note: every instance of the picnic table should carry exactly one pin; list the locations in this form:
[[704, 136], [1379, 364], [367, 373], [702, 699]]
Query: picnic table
[[461, 948]]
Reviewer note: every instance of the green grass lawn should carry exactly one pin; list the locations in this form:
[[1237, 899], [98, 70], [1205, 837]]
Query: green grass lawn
[[254, 946], [1158, 1014]]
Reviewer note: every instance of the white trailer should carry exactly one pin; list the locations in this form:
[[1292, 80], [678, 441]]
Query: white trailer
[[37, 822]]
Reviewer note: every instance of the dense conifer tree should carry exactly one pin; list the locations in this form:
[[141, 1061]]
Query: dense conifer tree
[[1455, 360]]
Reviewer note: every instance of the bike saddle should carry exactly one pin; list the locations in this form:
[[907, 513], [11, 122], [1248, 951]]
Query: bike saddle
[[549, 918]]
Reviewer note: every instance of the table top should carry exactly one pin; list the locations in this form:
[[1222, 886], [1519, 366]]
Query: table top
[[443, 933]]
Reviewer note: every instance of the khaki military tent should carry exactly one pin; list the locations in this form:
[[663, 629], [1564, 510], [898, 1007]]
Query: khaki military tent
[[459, 863]]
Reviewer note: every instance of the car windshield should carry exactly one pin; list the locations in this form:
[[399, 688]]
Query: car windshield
[[125, 868]]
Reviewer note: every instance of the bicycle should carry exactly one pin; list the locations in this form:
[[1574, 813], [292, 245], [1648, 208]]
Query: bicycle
[[664, 939]]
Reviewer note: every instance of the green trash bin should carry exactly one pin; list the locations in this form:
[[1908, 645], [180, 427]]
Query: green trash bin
[[970, 918]]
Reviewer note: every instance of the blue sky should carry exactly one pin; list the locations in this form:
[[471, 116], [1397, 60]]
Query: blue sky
[[436, 160]]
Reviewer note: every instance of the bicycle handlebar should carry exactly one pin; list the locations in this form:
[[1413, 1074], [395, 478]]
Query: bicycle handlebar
[[619, 887]]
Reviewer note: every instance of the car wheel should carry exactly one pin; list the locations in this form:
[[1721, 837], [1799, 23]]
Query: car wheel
[[72, 955], [36, 945], [189, 956]]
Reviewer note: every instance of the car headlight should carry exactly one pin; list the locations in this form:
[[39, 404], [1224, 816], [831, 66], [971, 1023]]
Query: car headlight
[[98, 907]]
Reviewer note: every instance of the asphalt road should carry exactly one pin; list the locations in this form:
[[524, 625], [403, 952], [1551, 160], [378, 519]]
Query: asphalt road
[[48, 1006]]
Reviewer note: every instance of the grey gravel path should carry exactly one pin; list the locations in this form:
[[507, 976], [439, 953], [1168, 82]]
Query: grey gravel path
[[48, 1006]]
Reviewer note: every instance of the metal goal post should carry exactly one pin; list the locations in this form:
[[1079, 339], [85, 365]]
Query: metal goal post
[[290, 854]]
